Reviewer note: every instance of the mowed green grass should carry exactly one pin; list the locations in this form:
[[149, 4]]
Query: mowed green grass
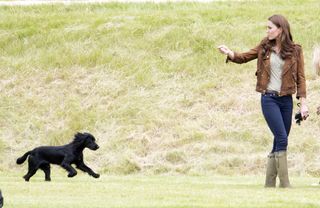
[[148, 82], [138, 191]]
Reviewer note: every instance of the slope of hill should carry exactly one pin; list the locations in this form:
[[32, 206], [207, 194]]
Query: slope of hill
[[148, 82]]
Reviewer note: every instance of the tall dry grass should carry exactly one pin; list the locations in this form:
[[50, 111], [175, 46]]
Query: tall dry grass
[[148, 82]]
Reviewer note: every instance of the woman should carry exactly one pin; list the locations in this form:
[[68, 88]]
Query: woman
[[280, 74]]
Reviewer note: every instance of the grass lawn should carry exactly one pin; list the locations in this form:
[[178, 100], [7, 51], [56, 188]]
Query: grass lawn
[[155, 192]]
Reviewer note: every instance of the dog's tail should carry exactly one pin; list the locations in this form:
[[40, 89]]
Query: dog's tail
[[21, 160]]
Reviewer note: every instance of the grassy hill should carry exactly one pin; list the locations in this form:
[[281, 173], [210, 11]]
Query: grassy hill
[[147, 80]]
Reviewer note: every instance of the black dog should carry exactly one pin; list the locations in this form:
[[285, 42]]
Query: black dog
[[65, 155], [1, 200]]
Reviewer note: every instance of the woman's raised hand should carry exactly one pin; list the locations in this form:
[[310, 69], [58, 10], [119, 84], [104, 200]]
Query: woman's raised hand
[[225, 50]]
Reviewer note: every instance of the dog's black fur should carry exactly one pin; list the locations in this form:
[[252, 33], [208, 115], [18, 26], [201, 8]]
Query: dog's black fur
[[42, 157], [1, 200]]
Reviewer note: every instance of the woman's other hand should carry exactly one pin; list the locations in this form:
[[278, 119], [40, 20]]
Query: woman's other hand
[[303, 108], [304, 111]]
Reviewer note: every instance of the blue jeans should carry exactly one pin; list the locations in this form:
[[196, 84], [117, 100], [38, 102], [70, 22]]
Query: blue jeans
[[277, 111]]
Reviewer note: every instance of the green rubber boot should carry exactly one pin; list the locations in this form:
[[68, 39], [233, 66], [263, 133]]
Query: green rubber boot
[[271, 174], [282, 169]]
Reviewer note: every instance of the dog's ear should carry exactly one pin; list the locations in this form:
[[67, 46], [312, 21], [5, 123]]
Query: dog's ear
[[78, 135], [86, 134]]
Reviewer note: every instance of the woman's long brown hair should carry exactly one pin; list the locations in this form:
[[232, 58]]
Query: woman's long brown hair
[[287, 44]]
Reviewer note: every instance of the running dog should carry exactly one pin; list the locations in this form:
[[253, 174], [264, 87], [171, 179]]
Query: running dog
[[42, 157]]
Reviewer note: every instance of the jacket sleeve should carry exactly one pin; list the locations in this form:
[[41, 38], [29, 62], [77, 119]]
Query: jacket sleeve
[[240, 58], [301, 81]]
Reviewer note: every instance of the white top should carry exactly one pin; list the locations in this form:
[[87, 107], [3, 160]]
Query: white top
[[276, 63]]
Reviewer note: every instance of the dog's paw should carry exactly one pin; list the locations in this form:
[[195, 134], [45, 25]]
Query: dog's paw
[[70, 175], [26, 178], [96, 175]]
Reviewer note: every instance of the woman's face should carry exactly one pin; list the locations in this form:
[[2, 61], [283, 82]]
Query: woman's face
[[272, 30]]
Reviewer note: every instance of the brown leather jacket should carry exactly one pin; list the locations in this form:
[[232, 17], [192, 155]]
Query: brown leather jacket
[[293, 79]]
